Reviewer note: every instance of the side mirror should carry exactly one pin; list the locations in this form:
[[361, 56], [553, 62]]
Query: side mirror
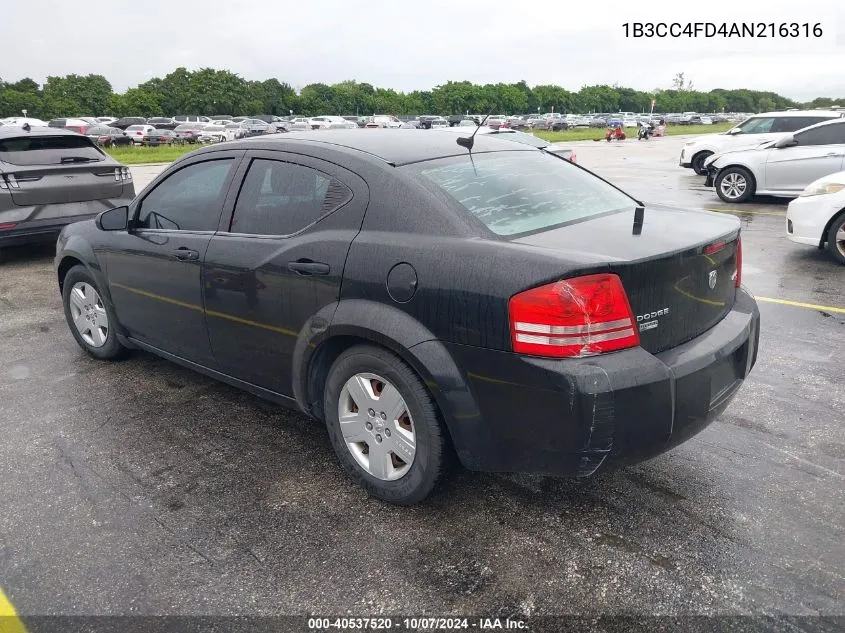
[[116, 219], [786, 141], [734, 130]]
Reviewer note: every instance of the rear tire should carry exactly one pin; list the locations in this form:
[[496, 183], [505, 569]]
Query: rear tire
[[403, 430], [836, 238], [90, 317], [735, 185], [698, 162]]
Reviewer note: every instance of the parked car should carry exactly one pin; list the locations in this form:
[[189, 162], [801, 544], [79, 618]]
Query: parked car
[[753, 130], [496, 121], [779, 168], [136, 133], [817, 216], [106, 136], [386, 120], [235, 131], [162, 123], [79, 126], [598, 122], [50, 177], [189, 132], [20, 121], [214, 131], [191, 118], [564, 344], [126, 121], [161, 137], [106, 120]]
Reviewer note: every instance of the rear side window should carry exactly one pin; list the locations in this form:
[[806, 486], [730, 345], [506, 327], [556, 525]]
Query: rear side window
[[833, 134], [48, 150], [515, 193], [794, 123], [279, 198]]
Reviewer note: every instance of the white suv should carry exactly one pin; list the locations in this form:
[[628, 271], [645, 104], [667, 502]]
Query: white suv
[[753, 131]]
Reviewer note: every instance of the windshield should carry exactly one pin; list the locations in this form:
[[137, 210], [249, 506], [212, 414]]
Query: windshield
[[47, 150], [514, 193]]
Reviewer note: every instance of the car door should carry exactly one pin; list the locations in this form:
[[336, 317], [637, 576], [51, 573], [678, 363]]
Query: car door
[[820, 151], [278, 262], [153, 270]]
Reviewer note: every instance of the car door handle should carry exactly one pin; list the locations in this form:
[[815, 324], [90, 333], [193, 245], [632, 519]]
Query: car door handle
[[186, 254], [308, 267]]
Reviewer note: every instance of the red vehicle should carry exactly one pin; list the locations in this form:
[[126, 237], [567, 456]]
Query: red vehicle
[[615, 133]]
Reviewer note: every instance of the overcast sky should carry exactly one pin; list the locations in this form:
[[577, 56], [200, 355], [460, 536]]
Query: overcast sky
[[418, 44]]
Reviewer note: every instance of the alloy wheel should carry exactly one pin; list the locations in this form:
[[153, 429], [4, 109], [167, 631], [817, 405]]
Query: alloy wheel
[[734, 185], [377, 426], [89, 314], [840, 239]]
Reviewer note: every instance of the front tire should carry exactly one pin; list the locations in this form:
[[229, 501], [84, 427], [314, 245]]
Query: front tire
[[836, 238], [734, 185], [90, 318], [698, 162], [383, 425]]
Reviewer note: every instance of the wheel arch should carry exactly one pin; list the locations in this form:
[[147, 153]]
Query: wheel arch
[[352, 323], [826, 230]]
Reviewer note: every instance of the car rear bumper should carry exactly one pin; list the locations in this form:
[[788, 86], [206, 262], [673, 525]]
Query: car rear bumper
[[576, 416], [48, 220]]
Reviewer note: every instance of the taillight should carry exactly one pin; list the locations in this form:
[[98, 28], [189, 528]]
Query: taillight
[[715, 247], [139, 133], [573, 158], [103, 139], [7, 225], [575, 317], [738, 281]]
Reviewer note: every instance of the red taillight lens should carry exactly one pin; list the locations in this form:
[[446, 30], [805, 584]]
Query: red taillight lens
[[715, 247], [7, 225], [573, 158], [575, 317], [738, 282], [103, 139]]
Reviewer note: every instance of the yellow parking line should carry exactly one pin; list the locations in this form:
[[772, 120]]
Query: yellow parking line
[[9, 621], [743, 211], [798, 304]]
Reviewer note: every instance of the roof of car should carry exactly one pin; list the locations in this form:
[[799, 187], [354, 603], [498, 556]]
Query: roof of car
[[833, 114], [396, 146], [8, 131]]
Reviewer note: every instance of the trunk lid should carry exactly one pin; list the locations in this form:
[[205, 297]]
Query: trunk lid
[[678, 272]]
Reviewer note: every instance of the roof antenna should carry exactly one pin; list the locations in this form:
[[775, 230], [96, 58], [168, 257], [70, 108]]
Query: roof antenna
[[469, 141], [25, 126]]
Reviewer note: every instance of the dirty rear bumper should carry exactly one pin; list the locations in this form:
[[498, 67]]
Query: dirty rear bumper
[[576, 416]]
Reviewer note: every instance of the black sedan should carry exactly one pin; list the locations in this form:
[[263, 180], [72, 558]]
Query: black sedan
[[106, 136], [161, 137], [424, 294]]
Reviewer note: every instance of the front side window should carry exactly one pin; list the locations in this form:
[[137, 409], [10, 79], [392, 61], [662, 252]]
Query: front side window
[[279, 198], [190, 199], [514, 193]]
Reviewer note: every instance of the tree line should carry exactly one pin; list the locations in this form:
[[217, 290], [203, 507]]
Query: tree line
[[208, 91]]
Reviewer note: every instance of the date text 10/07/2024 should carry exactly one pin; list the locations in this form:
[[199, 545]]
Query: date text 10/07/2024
[[416, 624], [751, 30]]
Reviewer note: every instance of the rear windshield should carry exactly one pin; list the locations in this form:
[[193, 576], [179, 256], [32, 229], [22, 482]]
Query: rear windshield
[[514, 193], [48, 150]]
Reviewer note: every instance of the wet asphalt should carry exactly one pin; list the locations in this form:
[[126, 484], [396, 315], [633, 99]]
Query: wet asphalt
[[140, 487]]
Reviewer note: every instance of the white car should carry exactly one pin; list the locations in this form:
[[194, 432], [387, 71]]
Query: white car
[[21, 120], [213, 132], [386, 120], [817, 216], [136, 133], [760, 128], [629, 121], [783, 167]]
